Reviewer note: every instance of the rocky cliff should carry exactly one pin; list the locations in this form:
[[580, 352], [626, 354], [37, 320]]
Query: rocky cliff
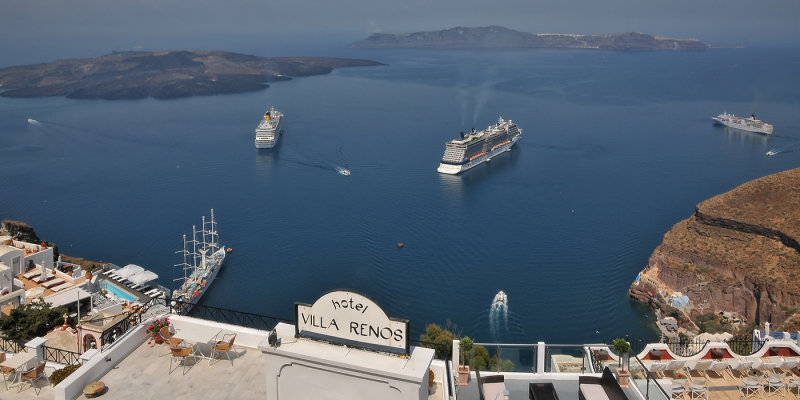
[[500, 37], [738, 252], [18, 231]]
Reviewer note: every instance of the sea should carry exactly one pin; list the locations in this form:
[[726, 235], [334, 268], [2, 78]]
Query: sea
[[616, 148]]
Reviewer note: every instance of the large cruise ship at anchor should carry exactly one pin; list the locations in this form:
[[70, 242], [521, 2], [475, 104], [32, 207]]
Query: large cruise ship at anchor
[[746, 124], [268, 129], [477, 147]]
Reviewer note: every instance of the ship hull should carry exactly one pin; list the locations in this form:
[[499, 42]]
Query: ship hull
[[455, 169]]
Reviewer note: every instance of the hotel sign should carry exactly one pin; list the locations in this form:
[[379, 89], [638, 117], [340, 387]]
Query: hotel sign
[[353, 319]]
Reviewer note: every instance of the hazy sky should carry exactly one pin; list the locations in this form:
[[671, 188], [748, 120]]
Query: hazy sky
[[107, 25]]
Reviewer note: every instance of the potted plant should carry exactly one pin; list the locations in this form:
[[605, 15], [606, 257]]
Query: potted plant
[[464, 349], [155, 328], [623, 349]]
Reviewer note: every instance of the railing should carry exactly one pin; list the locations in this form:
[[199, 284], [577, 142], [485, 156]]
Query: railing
[[565, 358], [503, 357], [10, 345], [61, 356], [688, 348], [646, 382], [222, 315]]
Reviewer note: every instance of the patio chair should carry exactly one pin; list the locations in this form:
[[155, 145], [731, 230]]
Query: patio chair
[[678, 389], [775, 384], [7, 371], [31, 376], [698, 390], [750, 388], [492, 387], [168, 338], [180, 353], [794, 383], [223, 346]]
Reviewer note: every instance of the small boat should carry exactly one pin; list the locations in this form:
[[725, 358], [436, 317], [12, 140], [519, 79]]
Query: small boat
[[772, 153], [345, 172], [500, 299], [32, 121]]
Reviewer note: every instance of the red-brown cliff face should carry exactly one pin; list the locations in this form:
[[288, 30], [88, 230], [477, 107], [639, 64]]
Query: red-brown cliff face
[[739, 251]]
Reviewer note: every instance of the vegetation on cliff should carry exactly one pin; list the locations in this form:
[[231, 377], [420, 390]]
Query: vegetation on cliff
[[500, 37], [161, 75], [738, 252]]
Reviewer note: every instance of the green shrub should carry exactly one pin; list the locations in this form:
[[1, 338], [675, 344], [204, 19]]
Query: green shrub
[[60, 374]]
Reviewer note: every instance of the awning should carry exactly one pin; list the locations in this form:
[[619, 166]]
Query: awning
[[128, 271], [142, 277], [66, 297]]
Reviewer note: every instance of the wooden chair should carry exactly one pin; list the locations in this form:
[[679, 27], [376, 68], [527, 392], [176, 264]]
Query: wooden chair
[[7, 371], [223, 346], [31, 376], [180, 353]]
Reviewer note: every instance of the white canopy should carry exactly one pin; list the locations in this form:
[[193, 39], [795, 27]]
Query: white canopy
[[68, 296], [128, 271], [142, 277]]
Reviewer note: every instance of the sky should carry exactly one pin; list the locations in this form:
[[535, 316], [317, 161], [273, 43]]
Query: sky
[[38, 28]]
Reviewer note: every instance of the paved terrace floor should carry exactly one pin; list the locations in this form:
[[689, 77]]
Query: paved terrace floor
[[144, 375]]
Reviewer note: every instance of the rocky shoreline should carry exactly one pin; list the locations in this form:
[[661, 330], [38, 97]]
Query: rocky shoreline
[[737, 254], [161, 75]]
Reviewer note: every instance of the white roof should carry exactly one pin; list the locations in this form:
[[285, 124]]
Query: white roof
[[142, 277], [128, 271], [68, 296]]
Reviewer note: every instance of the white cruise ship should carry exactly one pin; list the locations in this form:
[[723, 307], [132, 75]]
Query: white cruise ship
[[268, 129], [746, 124], [477, 147]]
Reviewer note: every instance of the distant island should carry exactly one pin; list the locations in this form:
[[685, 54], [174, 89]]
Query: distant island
[[500, 37], [738, 254], [161, 75]]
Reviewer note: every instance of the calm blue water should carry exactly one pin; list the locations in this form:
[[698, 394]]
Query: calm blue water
[[616, 148]]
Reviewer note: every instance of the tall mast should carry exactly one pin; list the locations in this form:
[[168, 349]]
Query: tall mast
[[213, 233], [185, 265], [205, 242], [195, 254]]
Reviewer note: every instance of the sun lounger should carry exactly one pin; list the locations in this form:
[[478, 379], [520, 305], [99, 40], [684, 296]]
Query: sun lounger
[[31, 274], [61, 286], [53, 282]]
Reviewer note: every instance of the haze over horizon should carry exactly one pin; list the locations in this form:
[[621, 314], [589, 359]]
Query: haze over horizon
[[31, 29]]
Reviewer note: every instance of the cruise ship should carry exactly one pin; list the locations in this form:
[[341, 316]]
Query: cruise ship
[[477, 147], [200, 264], [746, 124], [268, 129]]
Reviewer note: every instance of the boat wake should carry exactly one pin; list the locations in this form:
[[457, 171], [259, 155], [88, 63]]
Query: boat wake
[[498, 316]]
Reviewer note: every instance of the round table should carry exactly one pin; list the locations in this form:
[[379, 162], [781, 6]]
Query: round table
[[94, 389]]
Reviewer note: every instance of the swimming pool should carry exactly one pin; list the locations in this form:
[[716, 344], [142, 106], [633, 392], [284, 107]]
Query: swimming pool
[[116, 291]]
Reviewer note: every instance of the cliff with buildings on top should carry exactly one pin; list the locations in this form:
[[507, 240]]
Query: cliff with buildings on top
[[739, 251]]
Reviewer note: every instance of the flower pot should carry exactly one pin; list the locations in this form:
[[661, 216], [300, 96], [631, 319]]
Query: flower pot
[[158, 339], [717, 353], [655, 354], [623, 377], [463, 375]]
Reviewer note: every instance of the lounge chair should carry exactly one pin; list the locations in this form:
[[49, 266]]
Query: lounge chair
[[740, 367], [676, 367], [492, 387], [7, 371], [180, 353], [657, 368], [223, 346], [718, 368], [31, 376], [702, 366]]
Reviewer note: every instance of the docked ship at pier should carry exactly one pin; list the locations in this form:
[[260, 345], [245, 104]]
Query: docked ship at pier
[[268, 129], [750, 124], [203, 257], [478, 147]]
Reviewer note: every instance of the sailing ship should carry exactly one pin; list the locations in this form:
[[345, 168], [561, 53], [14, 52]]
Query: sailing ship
[[200, 264]]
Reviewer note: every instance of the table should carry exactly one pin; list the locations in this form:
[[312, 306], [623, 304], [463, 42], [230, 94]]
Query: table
[[94, 389], [19, 363]]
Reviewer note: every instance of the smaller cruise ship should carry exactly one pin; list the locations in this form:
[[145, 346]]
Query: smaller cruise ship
[[750, 124], [268, 129], [478, 147]]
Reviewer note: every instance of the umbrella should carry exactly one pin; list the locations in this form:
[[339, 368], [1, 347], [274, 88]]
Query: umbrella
[[129, 270]]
